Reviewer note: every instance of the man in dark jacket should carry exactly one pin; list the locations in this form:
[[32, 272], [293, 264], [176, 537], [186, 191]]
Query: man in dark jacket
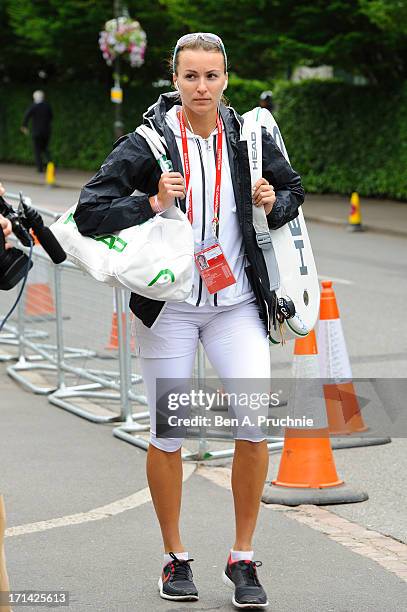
[[40, 114], [266, 100]]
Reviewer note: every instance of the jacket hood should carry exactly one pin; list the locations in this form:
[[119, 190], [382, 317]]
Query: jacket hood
[[155, 114]]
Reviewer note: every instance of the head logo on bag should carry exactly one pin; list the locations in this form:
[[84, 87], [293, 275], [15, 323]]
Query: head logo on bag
[[254, 150], [113, 242], [154, 259], [163, 277], [110, 240]]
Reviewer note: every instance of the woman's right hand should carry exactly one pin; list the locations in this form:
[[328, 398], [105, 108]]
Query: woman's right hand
[[171, 186]]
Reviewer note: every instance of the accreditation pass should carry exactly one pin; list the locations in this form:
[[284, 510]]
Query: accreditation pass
[[212, 265]]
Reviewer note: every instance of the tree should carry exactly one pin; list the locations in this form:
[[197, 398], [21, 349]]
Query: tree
[[267, 37], [387, 15], [63, 36]]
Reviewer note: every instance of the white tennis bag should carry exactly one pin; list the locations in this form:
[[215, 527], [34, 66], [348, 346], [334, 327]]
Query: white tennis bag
[[287, 251], [154, 259]]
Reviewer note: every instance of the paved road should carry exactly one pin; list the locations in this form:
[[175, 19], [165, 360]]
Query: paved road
[[368, 269], [57, 200], [55, 465]]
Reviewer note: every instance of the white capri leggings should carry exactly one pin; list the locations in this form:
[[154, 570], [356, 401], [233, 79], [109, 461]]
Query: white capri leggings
[[234, 340]]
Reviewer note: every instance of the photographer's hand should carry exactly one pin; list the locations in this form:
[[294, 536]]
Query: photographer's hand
[[5, 223]]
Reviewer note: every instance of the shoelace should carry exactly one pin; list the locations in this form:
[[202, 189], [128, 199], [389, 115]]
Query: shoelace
[[180, 568], [250, 574]]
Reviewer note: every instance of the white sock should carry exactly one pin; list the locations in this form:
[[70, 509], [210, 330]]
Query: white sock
[[181, 555], [242, 555]]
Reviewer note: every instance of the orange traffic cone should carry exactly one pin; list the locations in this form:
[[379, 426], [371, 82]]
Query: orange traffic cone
[[344, 415], [307, 472], [114, 330], [38, 295], [343, 410]]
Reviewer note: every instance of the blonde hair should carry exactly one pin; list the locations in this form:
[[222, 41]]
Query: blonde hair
[[198, 43]]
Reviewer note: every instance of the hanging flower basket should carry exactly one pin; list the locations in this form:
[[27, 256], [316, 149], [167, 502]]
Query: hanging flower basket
[[123, 37]]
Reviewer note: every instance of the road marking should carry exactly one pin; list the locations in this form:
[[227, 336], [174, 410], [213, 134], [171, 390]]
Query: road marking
[[121, 505], [334, 279], [384, 550]]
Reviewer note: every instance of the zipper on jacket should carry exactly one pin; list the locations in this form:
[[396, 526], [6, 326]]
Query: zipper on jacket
[[203, 213], [215, 146]]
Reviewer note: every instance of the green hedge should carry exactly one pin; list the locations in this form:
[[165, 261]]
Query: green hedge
[[82, 133], [340, 137], [343, 138]]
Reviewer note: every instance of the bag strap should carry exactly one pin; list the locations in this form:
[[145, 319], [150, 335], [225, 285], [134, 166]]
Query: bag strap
[[157, 147], [252, 134]]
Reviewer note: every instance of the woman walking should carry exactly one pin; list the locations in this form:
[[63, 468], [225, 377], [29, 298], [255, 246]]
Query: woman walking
[[210, 182]]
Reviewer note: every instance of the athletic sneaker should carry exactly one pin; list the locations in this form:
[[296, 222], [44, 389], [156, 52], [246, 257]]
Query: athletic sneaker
[[176, 581], [242, 577]]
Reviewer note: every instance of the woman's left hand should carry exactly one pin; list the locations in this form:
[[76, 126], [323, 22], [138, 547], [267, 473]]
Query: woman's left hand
[[263, 195]]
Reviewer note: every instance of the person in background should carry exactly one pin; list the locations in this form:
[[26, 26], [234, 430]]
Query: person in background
[[266, 100], [40, 114]]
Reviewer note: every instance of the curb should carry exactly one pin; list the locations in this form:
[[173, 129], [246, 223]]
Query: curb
[[322, 220], [64, 184], [385, 231]]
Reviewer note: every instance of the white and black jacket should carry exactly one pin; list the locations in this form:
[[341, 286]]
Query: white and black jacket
[[106, 204]]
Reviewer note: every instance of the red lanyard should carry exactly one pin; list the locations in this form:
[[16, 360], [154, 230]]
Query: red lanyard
[[187, 170]]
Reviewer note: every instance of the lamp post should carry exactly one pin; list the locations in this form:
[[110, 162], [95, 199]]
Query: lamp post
[[117, 92], [122, 38]]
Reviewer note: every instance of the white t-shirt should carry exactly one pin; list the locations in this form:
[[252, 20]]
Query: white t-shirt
[[202, 153]]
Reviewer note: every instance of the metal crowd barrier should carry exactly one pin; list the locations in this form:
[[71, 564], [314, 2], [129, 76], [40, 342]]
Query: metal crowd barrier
[[75, 375], [9, 337], [96, 386], [202, 448], [74, 344], [39, 311], [61, 305]]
